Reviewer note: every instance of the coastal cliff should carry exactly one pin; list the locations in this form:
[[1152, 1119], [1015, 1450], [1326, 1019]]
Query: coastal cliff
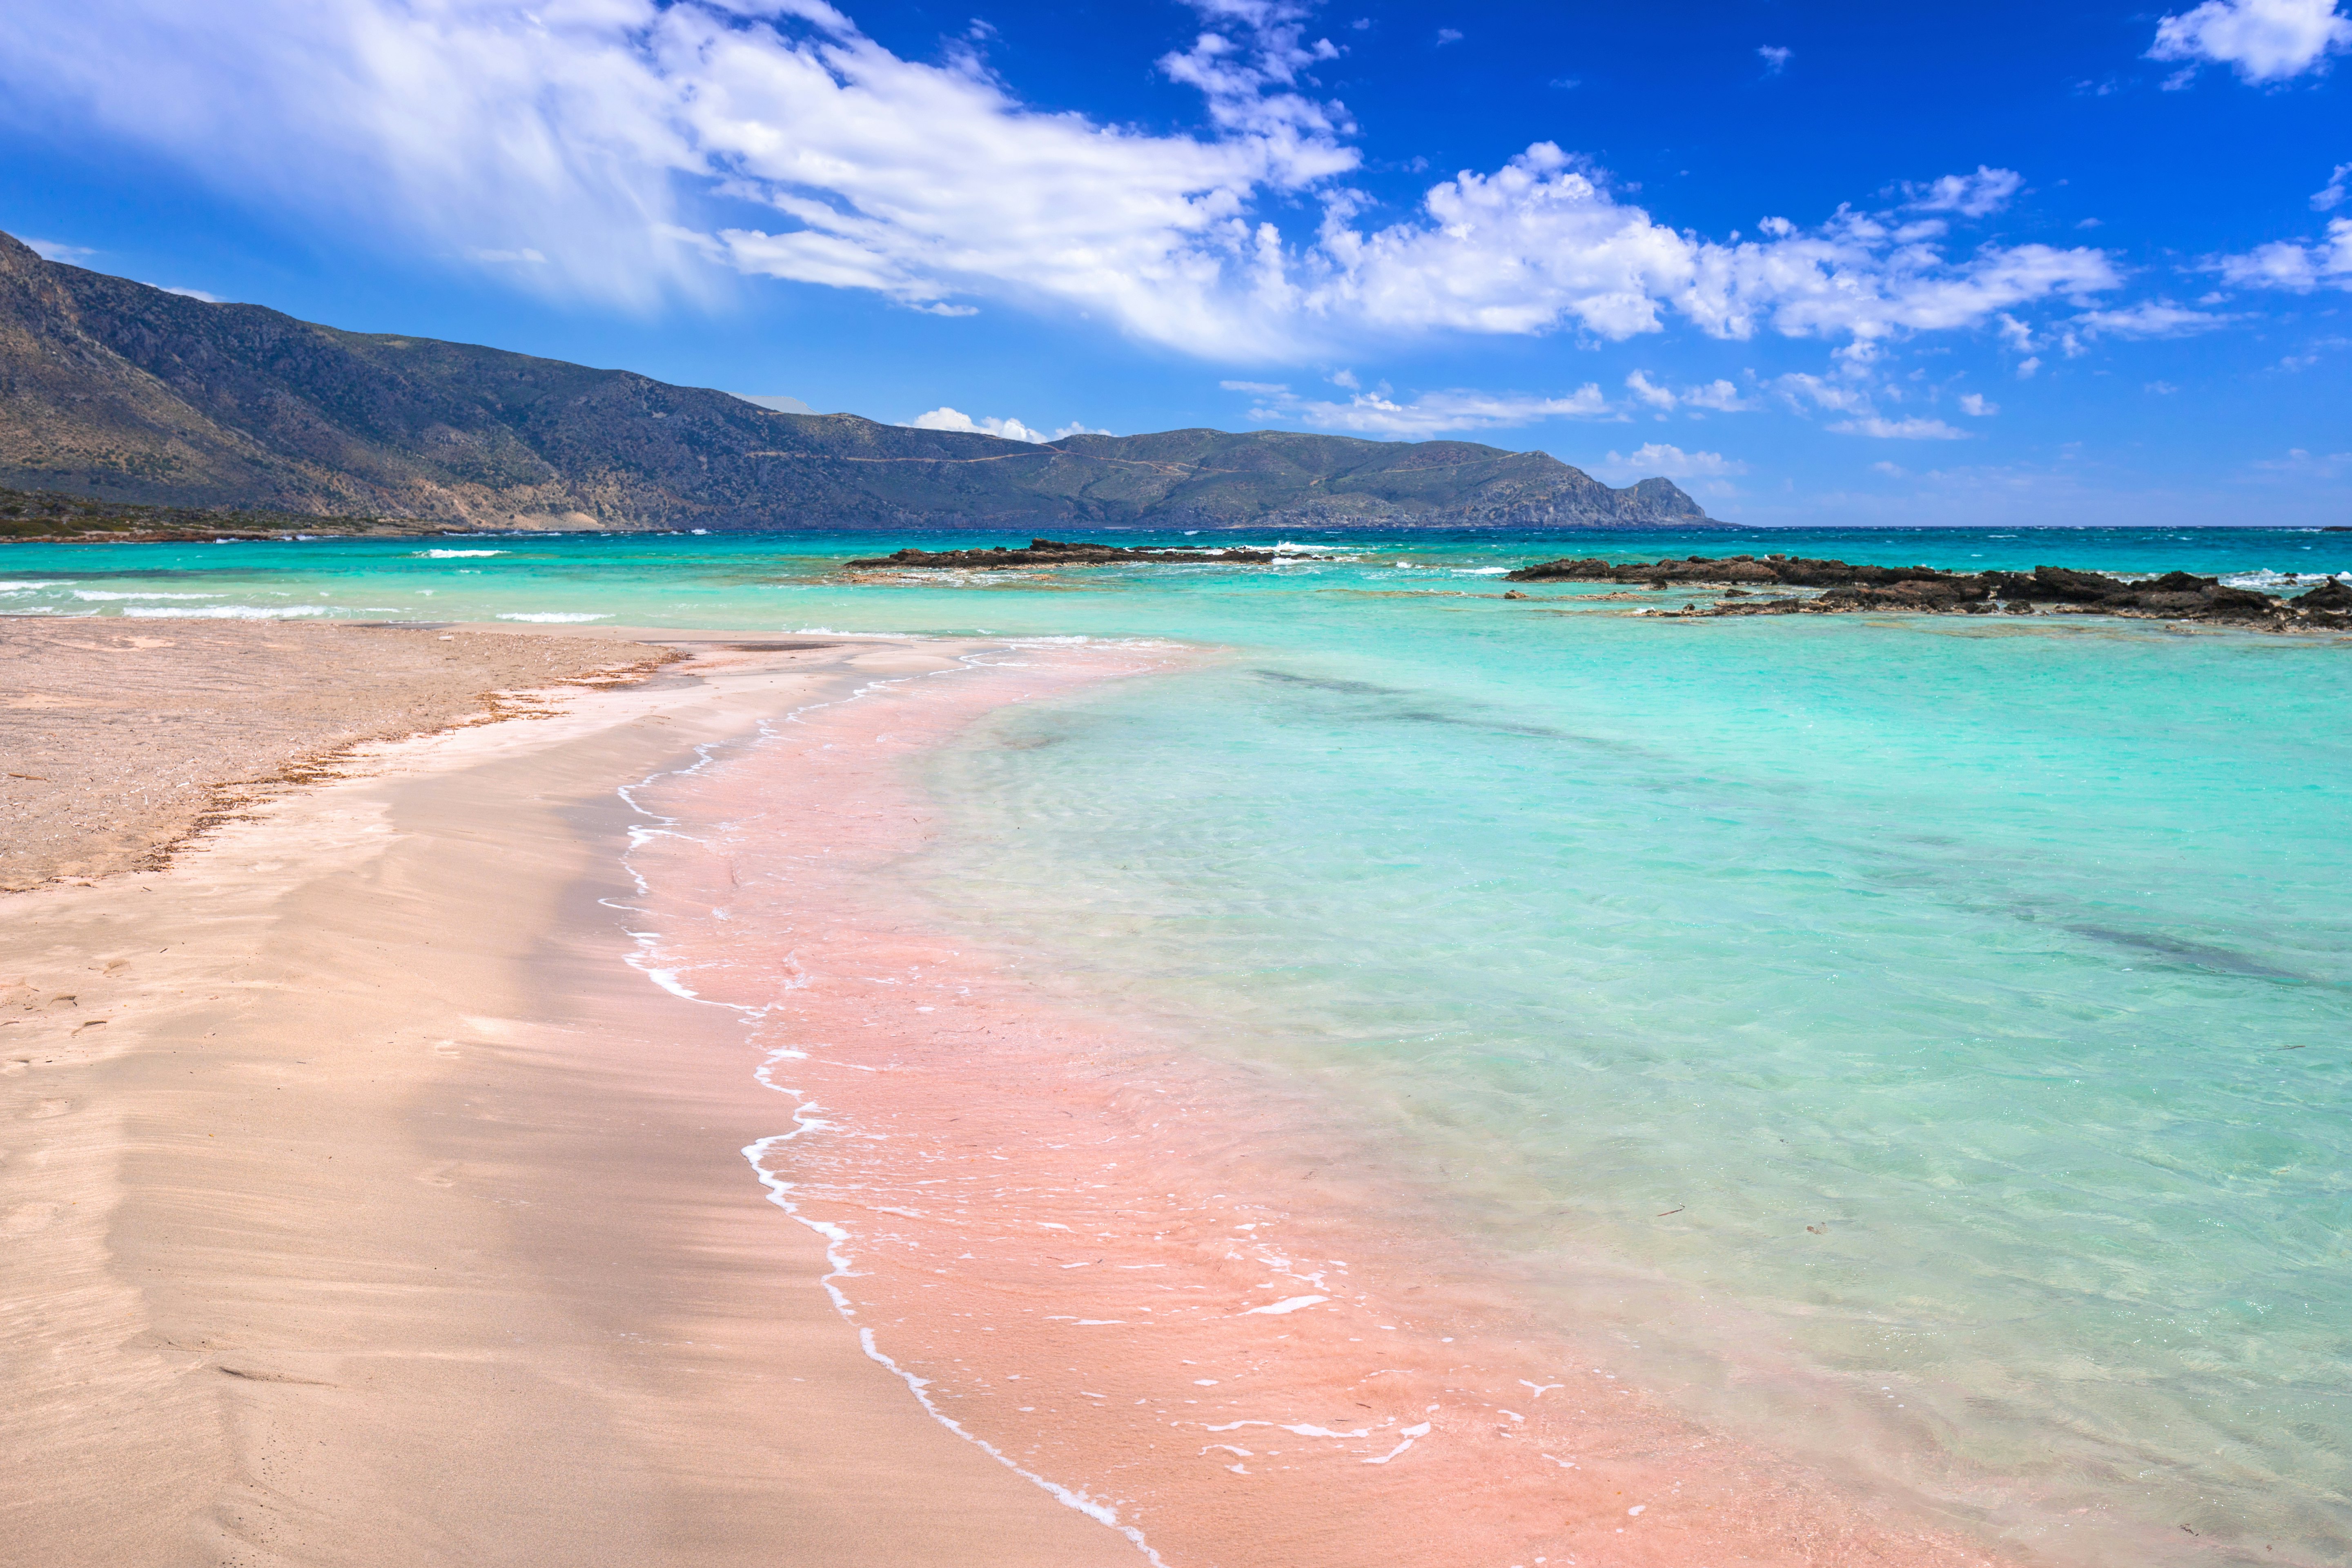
[[122, 392]]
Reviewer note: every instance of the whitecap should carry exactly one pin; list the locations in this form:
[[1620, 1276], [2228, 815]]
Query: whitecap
[[551, 617], [2269, 579], [455, 554], [95, 594]]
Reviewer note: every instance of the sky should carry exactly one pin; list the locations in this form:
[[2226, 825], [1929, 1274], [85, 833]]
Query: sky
[[1991, 263]]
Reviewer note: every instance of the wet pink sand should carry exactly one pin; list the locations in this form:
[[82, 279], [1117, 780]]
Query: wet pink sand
[[1173, 1290]]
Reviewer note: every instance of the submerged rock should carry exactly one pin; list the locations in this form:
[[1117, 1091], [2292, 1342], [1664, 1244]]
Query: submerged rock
[[1061, 552]]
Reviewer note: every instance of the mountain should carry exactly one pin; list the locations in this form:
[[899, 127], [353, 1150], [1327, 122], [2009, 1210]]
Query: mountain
[[125, 393]]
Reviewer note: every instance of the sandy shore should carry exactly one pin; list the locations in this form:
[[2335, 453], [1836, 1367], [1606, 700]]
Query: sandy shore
[[123, 737], [361, 1206], [368, 1202]]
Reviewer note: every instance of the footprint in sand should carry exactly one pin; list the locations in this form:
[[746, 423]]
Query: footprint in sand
[[46, 1108]]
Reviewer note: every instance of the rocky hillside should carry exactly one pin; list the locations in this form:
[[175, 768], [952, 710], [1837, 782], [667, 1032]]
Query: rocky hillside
[[119, 392]]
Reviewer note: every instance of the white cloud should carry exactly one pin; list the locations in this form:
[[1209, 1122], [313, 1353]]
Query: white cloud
[[1433, 413], [2331, 196], [1646, 391], [945, 418], [2027, 366], [1719, 394], [2298, 266], [1674, 463], [1975, 405], [2266, 40], [189, 293], [597, 135], [1900, 429], [1448, 35], [52, 250], [1801, 390], [1971, 195], [1262, 388], [1775, 58], [2150, 319]]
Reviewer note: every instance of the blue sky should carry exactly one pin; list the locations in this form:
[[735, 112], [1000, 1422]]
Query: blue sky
[[1988, 263]]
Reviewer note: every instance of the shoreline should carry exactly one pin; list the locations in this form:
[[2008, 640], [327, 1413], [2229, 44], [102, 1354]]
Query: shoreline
[[1097, 1290], [294, 1190], [445, 927]]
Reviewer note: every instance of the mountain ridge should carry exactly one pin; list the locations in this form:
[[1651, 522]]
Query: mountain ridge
[[128, 393]]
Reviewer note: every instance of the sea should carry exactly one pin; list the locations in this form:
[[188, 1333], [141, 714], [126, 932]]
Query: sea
[[1963, 1004]]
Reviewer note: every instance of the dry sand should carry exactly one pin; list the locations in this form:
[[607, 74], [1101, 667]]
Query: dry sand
[[119, 738], [362, 1206]]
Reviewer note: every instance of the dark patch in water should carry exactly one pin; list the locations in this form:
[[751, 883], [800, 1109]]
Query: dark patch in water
[[1462, 721], [2194, 954], [1351, 688]]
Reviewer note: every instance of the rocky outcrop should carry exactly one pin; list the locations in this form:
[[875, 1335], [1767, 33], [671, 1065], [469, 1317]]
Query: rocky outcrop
[[1846, 586], [118, 392]]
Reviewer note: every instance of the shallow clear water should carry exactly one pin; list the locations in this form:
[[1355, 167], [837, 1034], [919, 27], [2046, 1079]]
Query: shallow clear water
[[2011, 957]]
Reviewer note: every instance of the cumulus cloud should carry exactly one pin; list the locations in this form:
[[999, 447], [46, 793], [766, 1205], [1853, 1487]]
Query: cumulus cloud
[[1976, 406], [1913, 429], [601, 136], [946, 418], [2330, 196], [1775, 58], [1431, 413], [2264, 41], [2295, 265]]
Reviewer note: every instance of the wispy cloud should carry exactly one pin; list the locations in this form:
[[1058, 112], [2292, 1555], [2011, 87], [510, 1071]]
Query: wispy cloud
[[1431, 413], [1971, 195], [55, 250], [1775, 57], [1886, 429], [2150, 319], [1718, 395], [602, 138], [1674, 463]]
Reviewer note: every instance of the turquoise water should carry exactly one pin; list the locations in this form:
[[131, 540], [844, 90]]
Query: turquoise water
[[2013, 957]]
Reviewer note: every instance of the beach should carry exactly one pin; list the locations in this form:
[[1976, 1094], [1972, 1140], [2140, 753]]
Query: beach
[[772, 1099], [360, 1210], [370, 1204]]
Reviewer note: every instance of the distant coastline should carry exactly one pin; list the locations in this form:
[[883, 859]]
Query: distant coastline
[[134, 396]]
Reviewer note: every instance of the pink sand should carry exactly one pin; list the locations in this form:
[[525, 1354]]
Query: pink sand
[[1120, 1266]]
